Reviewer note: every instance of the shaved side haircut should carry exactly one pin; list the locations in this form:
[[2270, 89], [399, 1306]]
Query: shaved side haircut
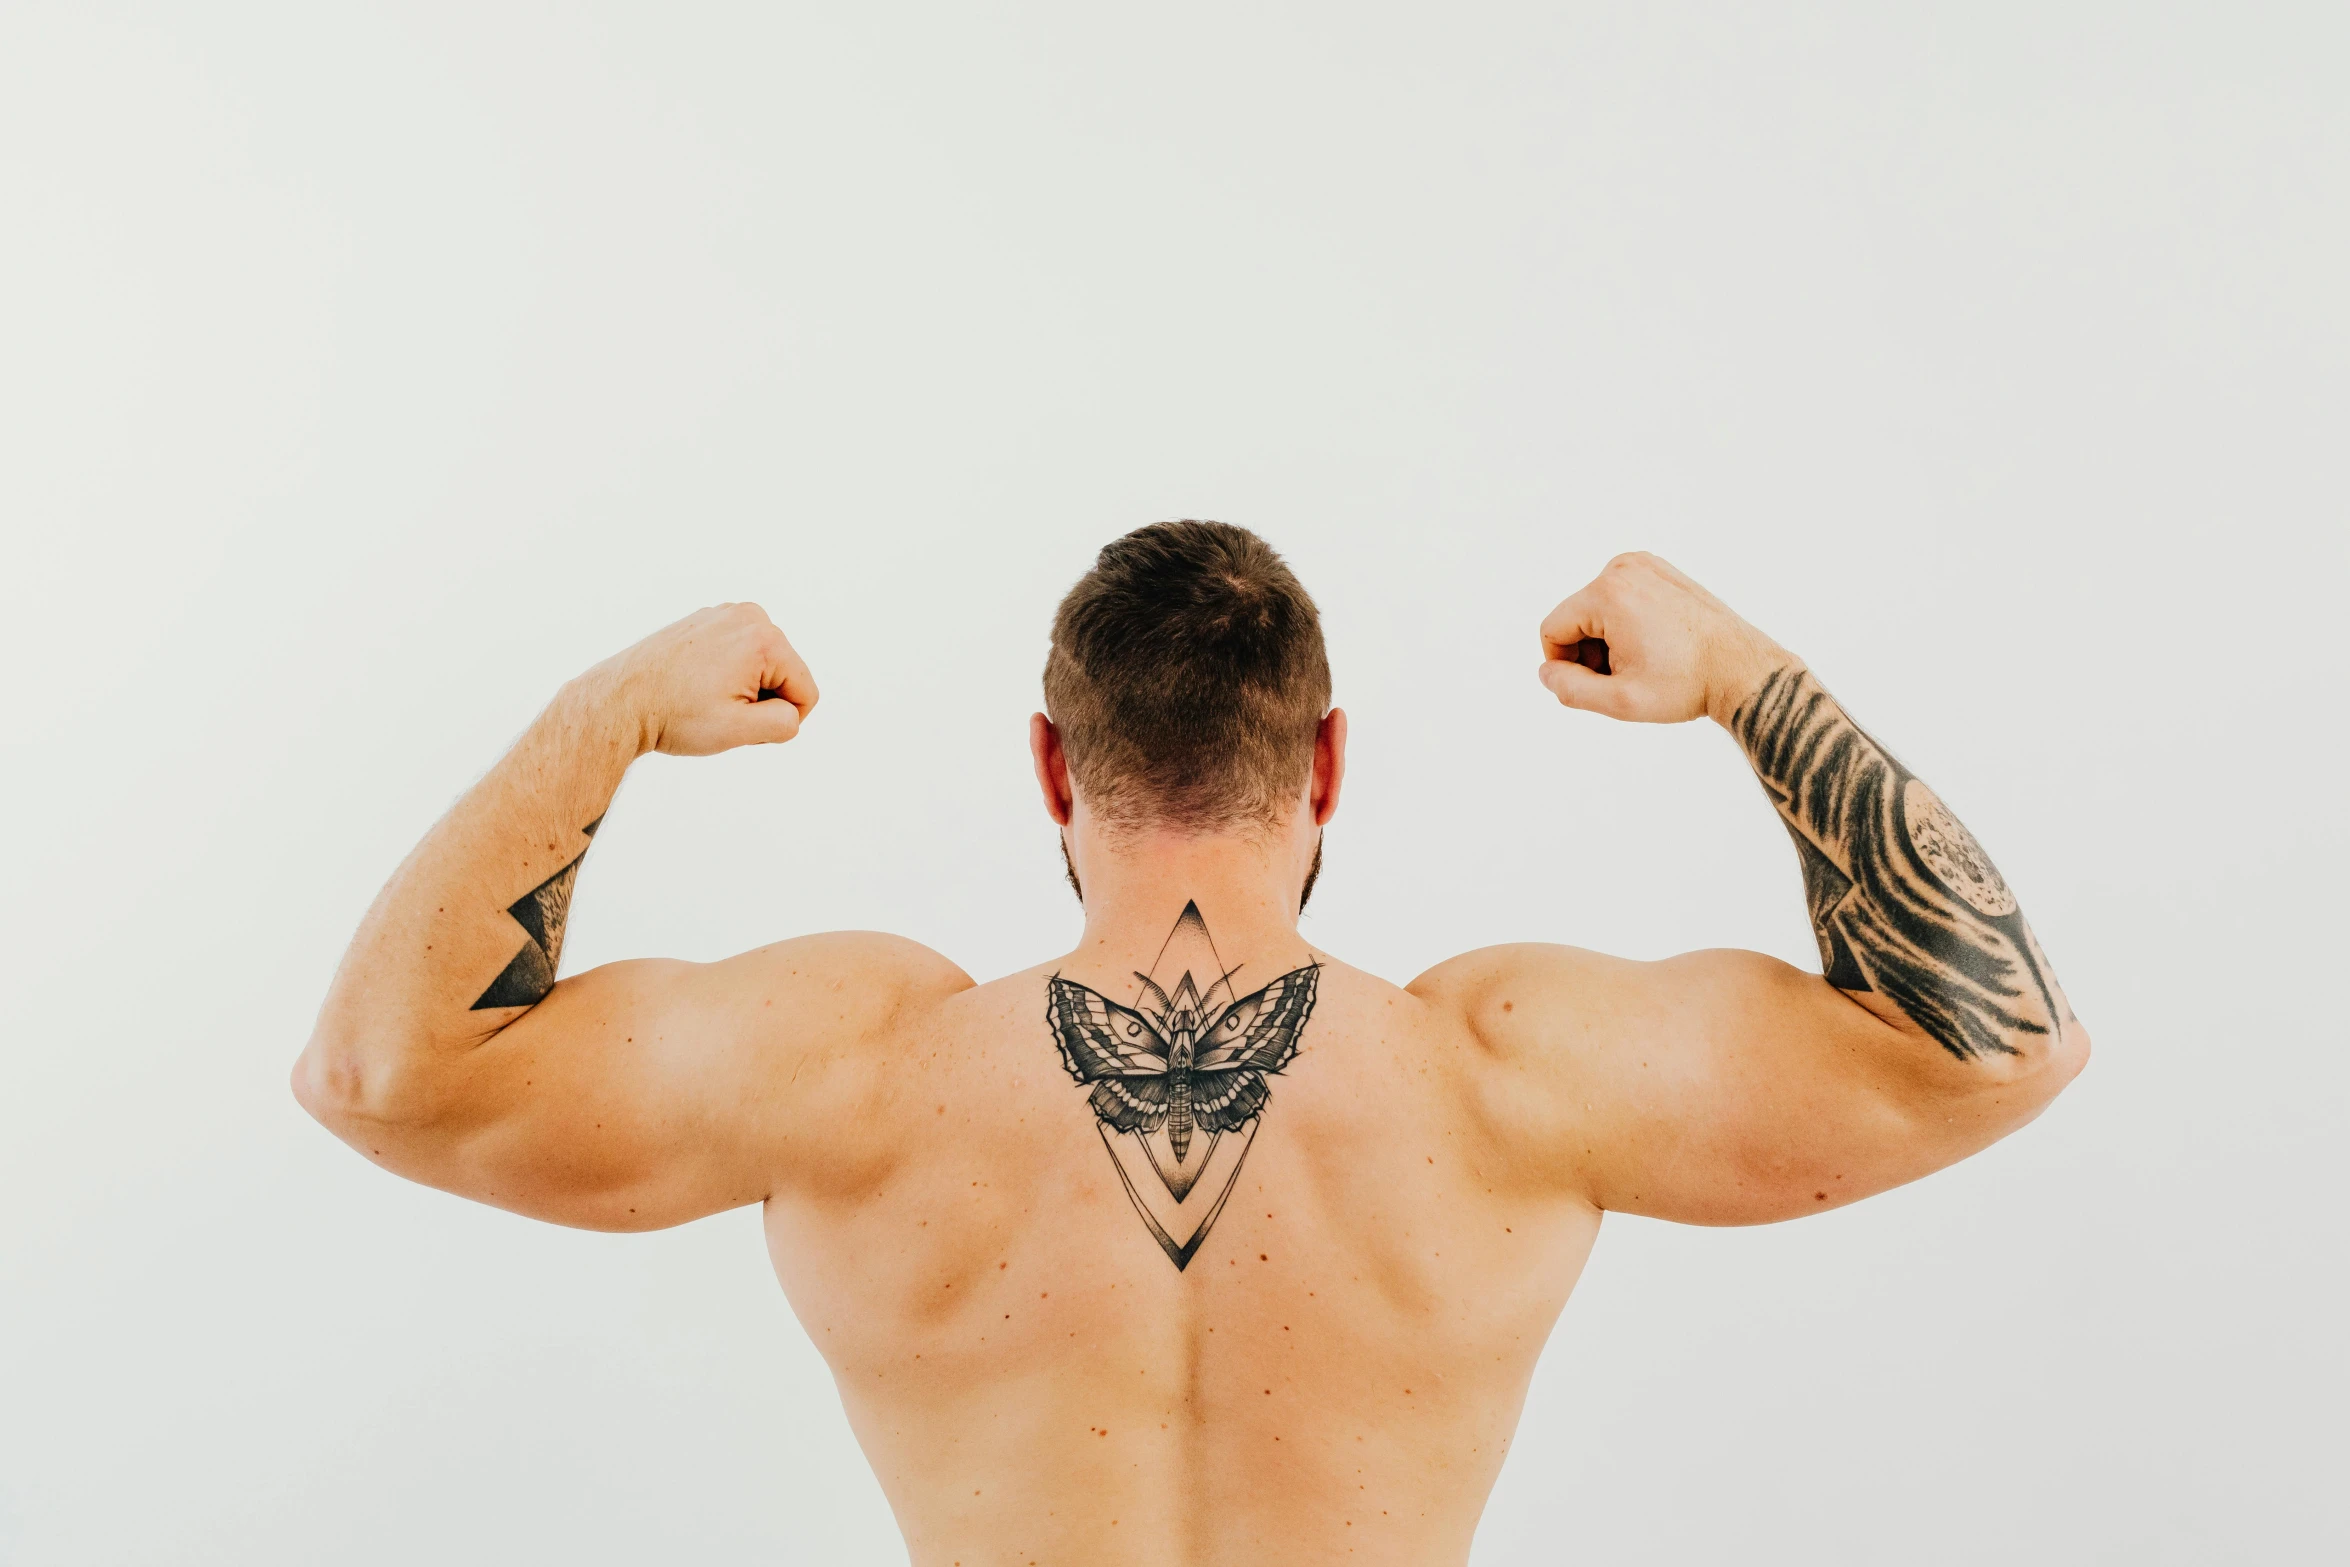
[[1187, 678]]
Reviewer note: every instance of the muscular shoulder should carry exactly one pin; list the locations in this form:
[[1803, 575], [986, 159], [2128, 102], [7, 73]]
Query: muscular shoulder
[[1543, 1022], [821, 1017], [869, 956], [1530, 996], [840, 987]]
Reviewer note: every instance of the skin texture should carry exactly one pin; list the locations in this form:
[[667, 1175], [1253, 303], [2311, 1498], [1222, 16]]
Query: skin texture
[[1336, 1373]]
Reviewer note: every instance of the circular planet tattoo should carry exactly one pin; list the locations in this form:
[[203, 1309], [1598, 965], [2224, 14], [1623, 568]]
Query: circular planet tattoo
[[1952, 854]]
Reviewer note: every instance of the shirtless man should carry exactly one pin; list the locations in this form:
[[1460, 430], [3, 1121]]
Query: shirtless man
[[1076, 1314]]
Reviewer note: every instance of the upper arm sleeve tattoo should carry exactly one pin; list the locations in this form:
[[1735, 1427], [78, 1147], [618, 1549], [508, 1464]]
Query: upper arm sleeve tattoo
[[542, 913], [1903, 900]]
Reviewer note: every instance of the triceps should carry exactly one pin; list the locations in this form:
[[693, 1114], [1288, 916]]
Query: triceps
[[1903, 900]]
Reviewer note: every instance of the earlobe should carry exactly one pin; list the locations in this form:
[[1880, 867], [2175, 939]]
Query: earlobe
[[1052, 768]]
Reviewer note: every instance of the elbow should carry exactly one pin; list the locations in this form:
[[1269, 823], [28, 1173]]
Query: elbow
[[2027, 1083], [2069, 1054], [2059, 1060], [303, 1080], [328, 1083], [343, 1084], [2059, 1064]]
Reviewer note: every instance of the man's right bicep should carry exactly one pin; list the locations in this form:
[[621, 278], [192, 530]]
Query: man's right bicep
[[646, 1094]]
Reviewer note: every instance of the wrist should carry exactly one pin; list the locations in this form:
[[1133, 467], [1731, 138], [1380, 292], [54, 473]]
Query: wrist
[[605, 701], [1740, 671]]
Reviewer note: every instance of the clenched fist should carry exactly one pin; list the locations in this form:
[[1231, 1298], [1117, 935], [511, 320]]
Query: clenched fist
[[1646, 644], [719, 678]]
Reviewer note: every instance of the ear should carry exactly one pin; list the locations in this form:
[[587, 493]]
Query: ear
[[1329, 765], [1052, 768]]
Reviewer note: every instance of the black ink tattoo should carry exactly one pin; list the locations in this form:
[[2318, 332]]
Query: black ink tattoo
[[542, 912], [1903, 900], [1178, 1071]]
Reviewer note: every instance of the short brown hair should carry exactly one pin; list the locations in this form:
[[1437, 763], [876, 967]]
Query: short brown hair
[[1187, 679]]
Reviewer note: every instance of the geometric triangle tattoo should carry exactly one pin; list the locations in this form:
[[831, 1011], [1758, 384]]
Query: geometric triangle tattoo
[[1178, 1079], [542, 912]]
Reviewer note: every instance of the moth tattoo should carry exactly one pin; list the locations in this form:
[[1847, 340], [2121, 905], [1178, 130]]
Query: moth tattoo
[[1180, 1072]]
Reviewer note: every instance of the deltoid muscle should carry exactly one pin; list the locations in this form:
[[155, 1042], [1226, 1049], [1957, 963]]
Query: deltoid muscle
[[1903, 900]]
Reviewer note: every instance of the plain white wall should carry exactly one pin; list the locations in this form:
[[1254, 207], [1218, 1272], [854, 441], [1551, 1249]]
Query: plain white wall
[[365, 371]]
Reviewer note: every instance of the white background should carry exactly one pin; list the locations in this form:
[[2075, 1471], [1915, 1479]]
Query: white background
[[366, 371]]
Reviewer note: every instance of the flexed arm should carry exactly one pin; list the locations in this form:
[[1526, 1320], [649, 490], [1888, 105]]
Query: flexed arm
[[635, 1095], [1904, 902], [1725, 1087]]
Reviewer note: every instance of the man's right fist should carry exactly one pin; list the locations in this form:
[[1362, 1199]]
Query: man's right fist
[[719, 678], [1646, 644]]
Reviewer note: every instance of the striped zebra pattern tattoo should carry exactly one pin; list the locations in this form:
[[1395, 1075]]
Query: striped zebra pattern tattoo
[[1903, 900]]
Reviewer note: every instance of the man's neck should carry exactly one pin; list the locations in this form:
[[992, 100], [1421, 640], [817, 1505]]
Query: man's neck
[[1137, 884]]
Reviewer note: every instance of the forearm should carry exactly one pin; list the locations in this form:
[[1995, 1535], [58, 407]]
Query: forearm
[[467, 934], [1905, 904]]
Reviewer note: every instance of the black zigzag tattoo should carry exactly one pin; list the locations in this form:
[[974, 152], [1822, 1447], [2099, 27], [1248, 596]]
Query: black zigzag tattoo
[[542, 912]]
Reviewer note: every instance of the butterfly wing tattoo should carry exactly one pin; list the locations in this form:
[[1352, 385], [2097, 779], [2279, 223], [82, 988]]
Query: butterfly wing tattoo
[[1169, 1076], [1115, 1049], [1144, 1072], [1255, 1035]]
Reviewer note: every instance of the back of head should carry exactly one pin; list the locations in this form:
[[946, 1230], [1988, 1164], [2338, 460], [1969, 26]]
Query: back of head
[[1187, 679]]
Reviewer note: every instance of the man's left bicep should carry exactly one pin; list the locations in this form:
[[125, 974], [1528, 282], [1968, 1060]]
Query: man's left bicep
[[1764, 1093]]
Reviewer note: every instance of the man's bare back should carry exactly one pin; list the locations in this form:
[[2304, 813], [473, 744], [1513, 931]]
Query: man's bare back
[[1193, 1245], [1335, 1374]]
